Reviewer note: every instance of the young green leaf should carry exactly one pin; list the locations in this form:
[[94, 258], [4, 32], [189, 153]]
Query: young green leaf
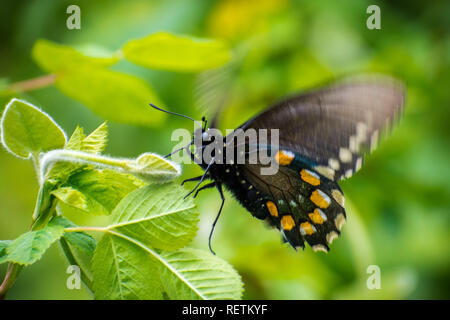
[[158, 216], [4, 244], [148, 167], [53, 57], [27, 131], [93, 143], [151, 167], [96, 191], [113, 95], [167, 51], [76, 140], [122, 270], [72, 197], [196, 274], [97, 140], [30, 246]]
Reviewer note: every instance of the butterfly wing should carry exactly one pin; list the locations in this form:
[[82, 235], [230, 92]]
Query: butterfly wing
[[323, 136], [334, 127], [301, 203]]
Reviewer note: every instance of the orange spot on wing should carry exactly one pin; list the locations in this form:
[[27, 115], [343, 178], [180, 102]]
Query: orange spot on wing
[[316, 217], [284, 158], [318, 198], [272, 208], [287, 222], [307, 227], [309, 178]]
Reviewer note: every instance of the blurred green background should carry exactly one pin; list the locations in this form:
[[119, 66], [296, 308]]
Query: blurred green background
[[397, 205]]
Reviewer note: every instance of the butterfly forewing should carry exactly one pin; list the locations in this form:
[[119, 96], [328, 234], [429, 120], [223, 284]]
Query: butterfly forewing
[[334, 127]]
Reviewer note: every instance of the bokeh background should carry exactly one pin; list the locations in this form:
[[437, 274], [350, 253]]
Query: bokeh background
[[397, 205]]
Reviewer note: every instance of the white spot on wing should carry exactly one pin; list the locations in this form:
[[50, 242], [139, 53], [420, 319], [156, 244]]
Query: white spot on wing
[[319, 247], [334, 164], [361, 131], [339, 221], [331, 236], [345, 155], [353, 144], [358, 164], [348, 173], [325, 171], [338, 196]]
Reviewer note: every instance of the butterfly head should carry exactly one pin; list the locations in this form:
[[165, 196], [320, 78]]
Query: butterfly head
[[202, 136]]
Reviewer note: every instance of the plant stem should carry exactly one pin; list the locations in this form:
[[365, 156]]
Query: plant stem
[[11, 274], [32, 84], [13, 271], [81, 229]]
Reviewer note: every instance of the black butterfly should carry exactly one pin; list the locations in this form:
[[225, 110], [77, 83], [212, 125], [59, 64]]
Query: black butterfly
[[323, 136]]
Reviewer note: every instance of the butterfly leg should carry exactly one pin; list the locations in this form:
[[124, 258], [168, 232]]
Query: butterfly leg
[[206, 186], [219, 188], [193, 179], [201, 179]]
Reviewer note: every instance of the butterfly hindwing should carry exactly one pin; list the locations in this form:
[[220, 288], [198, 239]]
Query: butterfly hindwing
[[301, 203]]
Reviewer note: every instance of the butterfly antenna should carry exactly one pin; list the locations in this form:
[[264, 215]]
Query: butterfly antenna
[[176, 114], [177, 150], [205, 122]]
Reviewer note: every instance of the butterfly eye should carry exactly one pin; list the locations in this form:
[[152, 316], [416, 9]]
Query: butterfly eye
[[205, 136]]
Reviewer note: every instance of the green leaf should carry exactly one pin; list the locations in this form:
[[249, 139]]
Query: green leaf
[[76, 140], [158, 216], [122, 270], [30, 246], [82, 241], [53, 57], [97, 191], [79, 249], [27, 131], [44, 202], [113, 95], [4, 244], [196, 274], [71, 197], [97, 140], [167, 51], [94, 143], [151, 167]]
